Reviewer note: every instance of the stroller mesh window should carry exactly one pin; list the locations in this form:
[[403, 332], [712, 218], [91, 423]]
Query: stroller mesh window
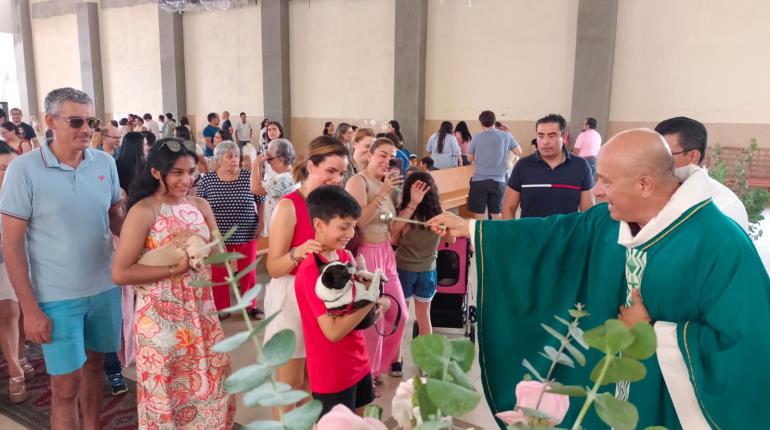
[[447, 268]]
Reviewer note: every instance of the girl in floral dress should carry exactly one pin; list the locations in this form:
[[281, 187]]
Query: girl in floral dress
[[180, 380]]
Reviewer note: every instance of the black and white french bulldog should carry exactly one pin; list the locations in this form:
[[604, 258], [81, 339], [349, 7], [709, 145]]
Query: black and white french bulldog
[[345, 287]]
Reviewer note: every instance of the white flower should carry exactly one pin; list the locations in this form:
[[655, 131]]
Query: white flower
[[401, 405]]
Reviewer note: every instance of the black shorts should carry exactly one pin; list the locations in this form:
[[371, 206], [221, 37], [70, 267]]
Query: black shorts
[[359, 395], [486, 195]]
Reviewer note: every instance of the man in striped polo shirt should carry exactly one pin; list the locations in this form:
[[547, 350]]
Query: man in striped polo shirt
[[550, 181]]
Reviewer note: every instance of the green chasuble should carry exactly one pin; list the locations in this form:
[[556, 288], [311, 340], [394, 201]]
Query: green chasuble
[[701, 280]]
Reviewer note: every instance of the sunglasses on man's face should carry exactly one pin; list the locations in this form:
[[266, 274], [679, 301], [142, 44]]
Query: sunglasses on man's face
[[77, 122], [175, 145]]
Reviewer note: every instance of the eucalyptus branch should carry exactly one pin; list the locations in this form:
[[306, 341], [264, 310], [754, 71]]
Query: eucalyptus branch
[[592, 394], [235, 287]]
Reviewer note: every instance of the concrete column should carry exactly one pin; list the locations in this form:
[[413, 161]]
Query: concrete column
[[594, 57], [90, 53], [276, 77], [172, 75], [409, 76], [25, 58]]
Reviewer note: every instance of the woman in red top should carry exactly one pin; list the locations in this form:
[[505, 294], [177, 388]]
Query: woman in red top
[[9, 132], [291, 239]]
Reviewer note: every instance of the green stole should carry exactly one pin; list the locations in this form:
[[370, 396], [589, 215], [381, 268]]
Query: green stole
[[698, 273]]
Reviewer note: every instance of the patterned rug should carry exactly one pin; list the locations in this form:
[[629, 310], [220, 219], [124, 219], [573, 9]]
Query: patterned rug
[[118, 413]]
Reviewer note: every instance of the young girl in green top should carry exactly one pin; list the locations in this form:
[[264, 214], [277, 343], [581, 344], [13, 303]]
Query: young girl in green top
[[417, 245]]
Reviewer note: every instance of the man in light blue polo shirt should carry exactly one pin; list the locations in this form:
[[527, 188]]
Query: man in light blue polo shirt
[[59, 203], [489, 153]]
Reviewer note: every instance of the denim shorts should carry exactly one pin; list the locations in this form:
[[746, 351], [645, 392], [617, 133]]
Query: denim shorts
[[93, 323], [420, 284]]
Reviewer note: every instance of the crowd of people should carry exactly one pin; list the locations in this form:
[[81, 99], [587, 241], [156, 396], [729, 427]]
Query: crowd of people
[[140, 184]]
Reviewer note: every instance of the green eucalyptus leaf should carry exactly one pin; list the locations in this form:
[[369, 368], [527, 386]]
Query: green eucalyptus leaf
[[232, 343], [611, 337], [553, 355], [246, 299], [570, 390], [579, 357], [205, 283], [616, 413], [457, 375], [279, 349], [431, 354], [261, 325], [563, 321], [621, 369], [281, 399], [373, 411], [427, 407], [228, 234], [578, 313], [248, 377], [463, 352], [253, 397], [304, 417], [577, 334], [264, 425], [223, 257], [452, 399], [246, 270], [527, 365], [534, 413], [644, 344]]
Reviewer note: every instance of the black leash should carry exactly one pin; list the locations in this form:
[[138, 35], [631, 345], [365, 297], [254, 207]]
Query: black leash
[[398, 317]]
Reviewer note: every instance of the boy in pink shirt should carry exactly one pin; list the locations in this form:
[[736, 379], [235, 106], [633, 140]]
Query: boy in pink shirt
[[337, 360]]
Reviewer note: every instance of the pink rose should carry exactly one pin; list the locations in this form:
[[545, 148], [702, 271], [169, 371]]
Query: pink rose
[[342, 418], [527, 393]]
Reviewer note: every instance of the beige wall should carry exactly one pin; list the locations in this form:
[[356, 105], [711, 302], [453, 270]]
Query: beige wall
[[223, 62], [57, 59], [131, 59], [515, 57], [703, 59], [342, 55]]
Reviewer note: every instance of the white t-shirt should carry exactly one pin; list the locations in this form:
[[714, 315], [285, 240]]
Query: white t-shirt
[[730, 205], [243, 131], [153, 127]]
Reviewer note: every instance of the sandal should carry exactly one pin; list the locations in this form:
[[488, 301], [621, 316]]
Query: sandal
[[257, 314], [17, 390], [224, 315], [377, 391], [29, 370]]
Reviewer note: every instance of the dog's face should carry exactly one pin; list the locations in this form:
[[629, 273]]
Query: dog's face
[[337, 275], [197, 251]]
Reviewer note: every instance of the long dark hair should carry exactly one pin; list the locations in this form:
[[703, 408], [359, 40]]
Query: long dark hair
[[429, 206], [326, 126], [150, 136], [446, 128], [462, 128], [396, 129], [162, 159], [130, 161], [275, 123], [182, 132]]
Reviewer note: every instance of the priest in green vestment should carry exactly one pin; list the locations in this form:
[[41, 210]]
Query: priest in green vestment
[[701, 283]]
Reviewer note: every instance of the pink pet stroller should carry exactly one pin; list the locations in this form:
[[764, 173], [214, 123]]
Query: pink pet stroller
[[451, 305]]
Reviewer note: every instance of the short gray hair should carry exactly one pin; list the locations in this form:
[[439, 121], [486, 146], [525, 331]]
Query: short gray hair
[[57, 97], [283, 150], [224, 147]]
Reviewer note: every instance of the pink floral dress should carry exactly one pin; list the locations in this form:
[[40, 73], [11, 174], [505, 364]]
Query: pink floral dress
[[180, 381]]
